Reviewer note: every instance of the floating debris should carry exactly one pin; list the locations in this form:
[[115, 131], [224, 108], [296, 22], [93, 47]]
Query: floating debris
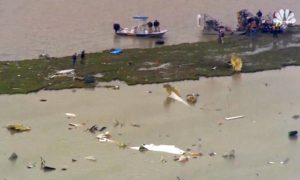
[[104, 137], [31, 165], [91, 158], [160, 148], [135, 125], [43, 100], [95, 128], [192, 98], [212, 154], [296, 116], [45, 167], [13, 157], [293, 134], [70, 115], [74, 124], [229, 155], [234, 117], [285, 161], [14, 128]]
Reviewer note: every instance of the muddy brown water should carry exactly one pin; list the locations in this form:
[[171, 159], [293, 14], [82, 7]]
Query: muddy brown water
[[268, 100], [62, 27]]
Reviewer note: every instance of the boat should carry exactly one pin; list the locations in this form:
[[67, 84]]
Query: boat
[[140, 30], [282, 21], [211, 26]]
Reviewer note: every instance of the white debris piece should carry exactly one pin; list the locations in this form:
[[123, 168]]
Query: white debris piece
[[177, 98], [161, 148], [234, 117]]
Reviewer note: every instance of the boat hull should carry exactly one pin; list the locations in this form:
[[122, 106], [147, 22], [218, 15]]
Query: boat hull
[[154, 34]]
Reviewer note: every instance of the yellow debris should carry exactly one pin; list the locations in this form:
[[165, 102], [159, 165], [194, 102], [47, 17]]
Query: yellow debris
[[18, 127], [236, 62], [171, 89]]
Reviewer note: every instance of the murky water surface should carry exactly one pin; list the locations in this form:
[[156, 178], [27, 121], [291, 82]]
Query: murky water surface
[[268, 100], [62, 27]]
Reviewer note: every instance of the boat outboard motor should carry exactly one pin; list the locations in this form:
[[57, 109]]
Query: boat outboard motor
[[117, 27]]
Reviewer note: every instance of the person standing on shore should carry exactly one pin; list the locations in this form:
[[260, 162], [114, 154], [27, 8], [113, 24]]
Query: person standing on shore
[[221, 35], [74, 59], [82, 57]]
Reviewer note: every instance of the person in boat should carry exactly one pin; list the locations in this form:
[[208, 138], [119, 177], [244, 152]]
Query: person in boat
[[150, 27], [117, 27], [156, 26]]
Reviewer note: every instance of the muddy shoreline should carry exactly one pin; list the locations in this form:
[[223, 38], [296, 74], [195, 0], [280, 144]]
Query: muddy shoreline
[[188, 61]]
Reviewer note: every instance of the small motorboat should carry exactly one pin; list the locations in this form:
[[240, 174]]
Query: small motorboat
[[141, 30]]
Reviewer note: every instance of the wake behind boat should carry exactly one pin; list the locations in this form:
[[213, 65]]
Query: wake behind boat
[[143, 29]]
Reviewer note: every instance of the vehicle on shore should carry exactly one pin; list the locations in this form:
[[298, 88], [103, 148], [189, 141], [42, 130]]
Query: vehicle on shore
[[140, 30]]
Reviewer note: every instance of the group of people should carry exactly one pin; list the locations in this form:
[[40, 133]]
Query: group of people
[[155, 24], [82, 57], [251, 24]]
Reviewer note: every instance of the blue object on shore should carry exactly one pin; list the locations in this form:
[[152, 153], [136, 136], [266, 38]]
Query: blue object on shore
[[116, 51]]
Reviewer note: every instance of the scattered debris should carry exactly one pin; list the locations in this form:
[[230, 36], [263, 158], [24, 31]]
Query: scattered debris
[[163, 160], [106, 137], [192, 98], [89, 79], [285, 161], [186, 156], [95, 128], [293, 134], [116, 123], [161, 148], [281, 162], [174, 93], [45, 167], [234, 117], [13, 157], [66, 73], [236, 62], [74, 124], [296, 116], [214, 68], [31, 165], [212, 154], [182, 159], [91, 158], [135, 125], [14, 128], [229, 155], [70, 115], [162, 66]]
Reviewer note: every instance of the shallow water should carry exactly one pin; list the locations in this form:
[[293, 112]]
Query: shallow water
[[268, 100], [62, 27]]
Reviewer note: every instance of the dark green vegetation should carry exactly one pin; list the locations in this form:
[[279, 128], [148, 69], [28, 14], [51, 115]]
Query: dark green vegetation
[[185, 62]]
